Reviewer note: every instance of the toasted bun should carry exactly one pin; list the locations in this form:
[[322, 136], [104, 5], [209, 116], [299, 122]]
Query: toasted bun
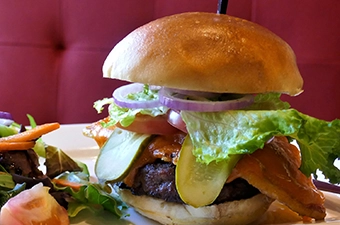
[[206, 52], [235, 212]]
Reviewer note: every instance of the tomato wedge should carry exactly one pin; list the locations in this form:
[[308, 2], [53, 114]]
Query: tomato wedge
[[150, 125]]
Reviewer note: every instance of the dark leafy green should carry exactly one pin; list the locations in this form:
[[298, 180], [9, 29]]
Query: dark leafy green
[[57, 162], [91, 196], [8, 188]]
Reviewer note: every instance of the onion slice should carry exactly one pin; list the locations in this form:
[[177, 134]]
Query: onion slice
[[175, 119], [6, 118], [175, 100], [324, 186], [120, 97]]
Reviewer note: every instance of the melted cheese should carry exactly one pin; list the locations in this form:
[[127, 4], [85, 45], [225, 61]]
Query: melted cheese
[[165, 147]]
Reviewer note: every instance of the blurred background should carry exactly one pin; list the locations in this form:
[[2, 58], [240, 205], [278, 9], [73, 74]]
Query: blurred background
[[51, 52]]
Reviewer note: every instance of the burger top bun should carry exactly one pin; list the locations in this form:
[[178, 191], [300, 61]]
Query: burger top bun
[[206, 52]]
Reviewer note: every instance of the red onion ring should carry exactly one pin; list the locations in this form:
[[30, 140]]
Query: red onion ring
[[167, 97], [6, 118], [120, 97], [324, 186], [5, 115]]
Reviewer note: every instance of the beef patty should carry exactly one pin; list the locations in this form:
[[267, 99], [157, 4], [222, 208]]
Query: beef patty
[[158, 180]]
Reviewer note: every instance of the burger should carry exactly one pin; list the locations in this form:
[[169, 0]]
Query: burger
[[199, 134]]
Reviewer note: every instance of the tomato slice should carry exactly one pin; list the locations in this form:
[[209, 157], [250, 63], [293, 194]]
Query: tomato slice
[[150, 125], [33, 206], [175, 119]]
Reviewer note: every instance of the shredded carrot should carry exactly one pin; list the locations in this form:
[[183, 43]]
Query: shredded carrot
[[66, 183], [32, 134], [6, 146]]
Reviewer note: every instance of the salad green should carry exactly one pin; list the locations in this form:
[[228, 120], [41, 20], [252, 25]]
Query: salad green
[[90, 195], [217, 136]]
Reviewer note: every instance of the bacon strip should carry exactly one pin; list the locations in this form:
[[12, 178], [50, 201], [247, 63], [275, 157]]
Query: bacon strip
[[99, 133], [274, 170]]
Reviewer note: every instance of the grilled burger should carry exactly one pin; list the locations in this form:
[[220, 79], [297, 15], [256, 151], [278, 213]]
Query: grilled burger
[[199, 133]]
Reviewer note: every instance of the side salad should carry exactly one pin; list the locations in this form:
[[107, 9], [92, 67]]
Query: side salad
[[64, 184]]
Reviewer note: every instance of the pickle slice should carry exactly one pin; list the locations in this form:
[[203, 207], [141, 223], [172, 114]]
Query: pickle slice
[[199, 184], [118, 154]]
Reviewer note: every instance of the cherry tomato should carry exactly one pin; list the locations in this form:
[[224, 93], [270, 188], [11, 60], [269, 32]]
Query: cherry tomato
[[175, 119], [150, 125]]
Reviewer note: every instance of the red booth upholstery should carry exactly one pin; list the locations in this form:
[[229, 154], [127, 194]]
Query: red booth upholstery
[[51, 52]]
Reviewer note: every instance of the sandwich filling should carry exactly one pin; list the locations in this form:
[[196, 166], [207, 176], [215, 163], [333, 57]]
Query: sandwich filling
[[272, 170]]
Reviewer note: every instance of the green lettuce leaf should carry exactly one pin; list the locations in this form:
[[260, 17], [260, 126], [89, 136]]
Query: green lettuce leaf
[[57, 162], [146, 95], [8, 188], [268, 101], [6, 194], [216, 136], [91, 196], [6, 131], [99, 104], [126, 116]]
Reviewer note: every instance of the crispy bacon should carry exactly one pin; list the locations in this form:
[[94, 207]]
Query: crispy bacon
[[99, 133], [274, 170]]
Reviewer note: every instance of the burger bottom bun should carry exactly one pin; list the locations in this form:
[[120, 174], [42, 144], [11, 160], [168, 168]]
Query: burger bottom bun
[[235, 212]]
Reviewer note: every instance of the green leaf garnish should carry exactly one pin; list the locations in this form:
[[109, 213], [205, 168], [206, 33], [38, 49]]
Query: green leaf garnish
[[218, 135], [58, 162], [90, 196]]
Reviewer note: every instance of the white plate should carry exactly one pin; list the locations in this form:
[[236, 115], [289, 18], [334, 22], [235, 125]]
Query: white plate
[[71, 140]]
